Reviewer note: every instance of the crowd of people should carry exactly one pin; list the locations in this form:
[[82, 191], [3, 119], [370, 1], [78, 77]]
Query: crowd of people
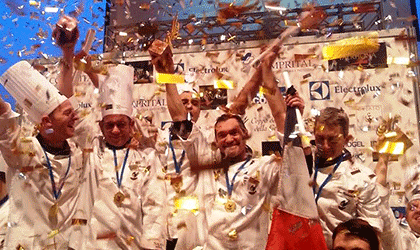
[[78, 184]]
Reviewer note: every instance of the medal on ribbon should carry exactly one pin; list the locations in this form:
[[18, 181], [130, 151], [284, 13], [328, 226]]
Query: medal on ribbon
[[53, 211], [119, 196], [230, 205], [176, 179], [176, 182]]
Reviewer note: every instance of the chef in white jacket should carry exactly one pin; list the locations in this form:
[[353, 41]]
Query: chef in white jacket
[[236, 199], [45, 173], [128, 210], [343, 188], [181, 181], [128, 203], [397, 235]]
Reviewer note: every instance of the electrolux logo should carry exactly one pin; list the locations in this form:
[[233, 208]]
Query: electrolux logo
[[209, 70], [361, 90], [319, 90]]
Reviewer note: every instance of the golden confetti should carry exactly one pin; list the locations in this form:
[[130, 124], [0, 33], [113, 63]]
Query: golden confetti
[[233, 235], [53, 233], [224, 84], [229, 10], [190, 27], [144, 6], [34, 3], [169, 78], [353, 46], [364, 7], [189, 203]]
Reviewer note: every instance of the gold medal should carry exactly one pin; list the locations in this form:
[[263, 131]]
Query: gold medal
[[119, 198], [52, 213], [230, 206], [176, 182]]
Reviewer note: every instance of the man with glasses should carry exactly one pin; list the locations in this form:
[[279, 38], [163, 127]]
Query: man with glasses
[[398, 235], [343, 188], [128, 196], [411, 234]]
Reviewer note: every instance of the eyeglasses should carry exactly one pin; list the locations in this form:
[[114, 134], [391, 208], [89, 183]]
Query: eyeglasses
[[111, 125]]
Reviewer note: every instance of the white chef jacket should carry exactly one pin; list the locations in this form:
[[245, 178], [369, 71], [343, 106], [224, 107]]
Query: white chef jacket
[[189, 182], [410, 239], [31, 195], [395, 235], [139, 222], [255, 183], [4, 213], [189, 179], [351, 193]]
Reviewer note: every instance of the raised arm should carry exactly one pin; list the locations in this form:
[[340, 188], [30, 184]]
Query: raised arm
[[391, 235], [381, 169], [66, 35], [247, 93], [272, 93], [164, 64]]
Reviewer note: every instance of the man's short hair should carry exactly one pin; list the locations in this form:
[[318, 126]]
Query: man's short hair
[[360, 229], [331, 116], [228, 116]]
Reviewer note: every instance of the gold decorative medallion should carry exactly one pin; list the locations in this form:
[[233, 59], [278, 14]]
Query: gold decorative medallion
[[230, 206], [119, 198]]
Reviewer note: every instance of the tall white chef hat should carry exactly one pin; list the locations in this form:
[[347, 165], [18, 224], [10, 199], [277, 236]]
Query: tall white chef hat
[[116, 91], [412, 183], [31, 90]]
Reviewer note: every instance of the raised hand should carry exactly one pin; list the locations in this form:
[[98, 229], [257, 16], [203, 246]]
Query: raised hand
[[161, 54], [295, 101], [66, 32]]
